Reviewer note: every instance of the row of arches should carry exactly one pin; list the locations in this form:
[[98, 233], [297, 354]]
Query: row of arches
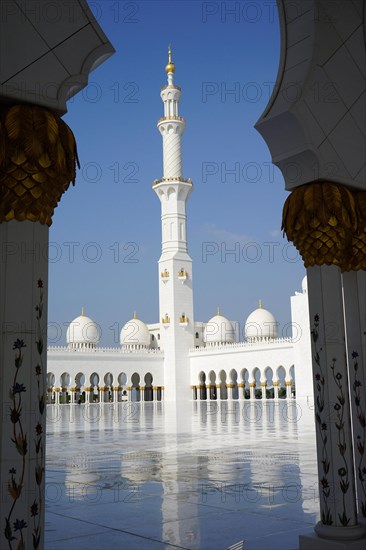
[[256, 383], [95, 388]]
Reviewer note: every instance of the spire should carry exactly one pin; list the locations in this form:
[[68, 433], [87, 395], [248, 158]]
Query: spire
[[82, 312], [218, 311], [170, 67], [260, 304], [134, 315]]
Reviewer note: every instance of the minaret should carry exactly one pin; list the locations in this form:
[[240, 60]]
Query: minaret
[[175, 265]]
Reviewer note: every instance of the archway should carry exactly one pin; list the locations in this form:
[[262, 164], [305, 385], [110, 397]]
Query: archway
[[108, 387], [94, 387], [234, 384], [202, 386], [268, 376], [122, 387], [79, 384], [135, 384], [148, 393], [222, 382], [65, 380]]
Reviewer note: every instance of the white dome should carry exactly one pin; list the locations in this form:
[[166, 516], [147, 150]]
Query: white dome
[[304, 285], [82, 332], [135, 334], [219, 330], [260, 325]]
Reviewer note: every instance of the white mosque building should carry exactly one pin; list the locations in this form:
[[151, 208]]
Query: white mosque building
[[179, 358]]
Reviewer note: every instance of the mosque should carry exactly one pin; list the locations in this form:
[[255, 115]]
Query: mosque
[[179, 358]]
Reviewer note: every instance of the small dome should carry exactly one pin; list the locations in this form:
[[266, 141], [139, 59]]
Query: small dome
[[135, 334], [260, 325], [82, 332], [304, 285], [219, 330]]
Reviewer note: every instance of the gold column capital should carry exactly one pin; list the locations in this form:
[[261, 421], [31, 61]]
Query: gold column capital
[[38, 159], [327, 224]]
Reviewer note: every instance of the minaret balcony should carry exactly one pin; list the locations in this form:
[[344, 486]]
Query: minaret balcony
[[173, 86], [173, 180], [182, 275], [171, 117], [183, 320], [164, 275]]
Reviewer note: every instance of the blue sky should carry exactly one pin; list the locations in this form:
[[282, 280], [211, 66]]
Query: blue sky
[[106, 234]]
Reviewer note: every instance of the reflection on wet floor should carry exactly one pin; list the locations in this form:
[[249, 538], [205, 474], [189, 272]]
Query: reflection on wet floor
[[193, 475]]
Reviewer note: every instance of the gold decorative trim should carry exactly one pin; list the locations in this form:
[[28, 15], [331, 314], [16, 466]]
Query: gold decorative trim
[[288, 383], [172, 180], [172, 118], [276, 384], [264, 384], [327, 224], [230, 386], [38, 159], [252, 384], [240, 385]]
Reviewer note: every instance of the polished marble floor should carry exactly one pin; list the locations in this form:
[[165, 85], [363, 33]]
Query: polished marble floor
[[136, 476]]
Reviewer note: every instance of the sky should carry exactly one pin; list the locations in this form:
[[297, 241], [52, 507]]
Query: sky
[[105, 239]]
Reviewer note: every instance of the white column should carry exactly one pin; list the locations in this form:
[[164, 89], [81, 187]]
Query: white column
[[288, 384], [241, 390], [208, 392], [354, 296], [23, 367], [275, 388], [230, 391], [252, 389], [332, 413], [264, 386]]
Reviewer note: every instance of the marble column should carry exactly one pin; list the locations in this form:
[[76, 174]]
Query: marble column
[[241, 390], [230, 391], [264, 386], [252, 389], [288, 385], [142, 394], [218, 389], [338, 510], [23, 366], [354, 303], [275, 388], [57, 396]]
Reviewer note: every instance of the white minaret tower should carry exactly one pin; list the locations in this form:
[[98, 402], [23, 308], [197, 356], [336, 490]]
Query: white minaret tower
[[175, 265]]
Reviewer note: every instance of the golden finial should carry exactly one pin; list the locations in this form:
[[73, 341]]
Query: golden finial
[[260, 304], [134, 315], [170, 67], [218, 311], [82, 312]]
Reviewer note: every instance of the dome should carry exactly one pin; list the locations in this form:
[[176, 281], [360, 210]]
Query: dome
[[304, 285], [135, 334], [219, 330], [260, 325], [82, 332]]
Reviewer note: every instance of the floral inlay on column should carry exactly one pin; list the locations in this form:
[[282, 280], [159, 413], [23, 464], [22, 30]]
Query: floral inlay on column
[[15, 526], [343, 472], [326, 515], [360, 439]]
